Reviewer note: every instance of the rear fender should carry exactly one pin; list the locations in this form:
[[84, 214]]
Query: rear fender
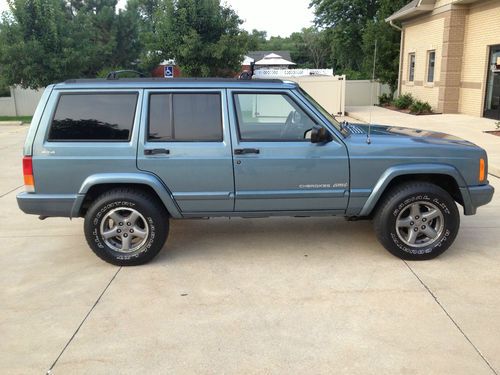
[[128, 178]]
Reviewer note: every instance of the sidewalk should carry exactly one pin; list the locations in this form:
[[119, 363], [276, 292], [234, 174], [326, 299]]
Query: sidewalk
[[463, 126]]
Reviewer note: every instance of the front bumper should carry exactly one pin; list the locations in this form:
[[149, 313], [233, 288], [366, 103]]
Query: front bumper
[[476, 196], [50, 205]]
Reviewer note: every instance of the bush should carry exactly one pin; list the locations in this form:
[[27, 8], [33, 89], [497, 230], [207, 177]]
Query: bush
[[385, 99], [353, 74], [404, 101], [4, 91], [420, 108]]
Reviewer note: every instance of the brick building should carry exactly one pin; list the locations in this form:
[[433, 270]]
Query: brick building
[[450, 54]]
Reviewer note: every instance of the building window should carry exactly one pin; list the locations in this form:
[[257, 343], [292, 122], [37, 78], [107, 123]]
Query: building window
[[411, 67], [431, 64]]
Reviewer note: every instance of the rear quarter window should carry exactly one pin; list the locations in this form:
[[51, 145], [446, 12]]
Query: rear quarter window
[[94, 117]]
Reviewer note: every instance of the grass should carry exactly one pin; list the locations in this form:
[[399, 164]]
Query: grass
[[16, 118]]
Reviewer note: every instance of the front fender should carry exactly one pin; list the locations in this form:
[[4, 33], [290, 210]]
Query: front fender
[[411, 169], [139, 178]]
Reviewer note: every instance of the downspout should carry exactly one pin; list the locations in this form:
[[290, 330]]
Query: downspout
[[401, 47]]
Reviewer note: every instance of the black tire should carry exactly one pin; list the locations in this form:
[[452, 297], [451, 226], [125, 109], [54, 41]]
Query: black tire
[[395, 213], [140, 212]]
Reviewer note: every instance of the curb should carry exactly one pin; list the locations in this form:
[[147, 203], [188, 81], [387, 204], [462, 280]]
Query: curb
[[11, 123]]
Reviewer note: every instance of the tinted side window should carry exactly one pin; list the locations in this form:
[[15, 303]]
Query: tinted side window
[[94, 117], [185, 117], [271, 117], [160, 118]]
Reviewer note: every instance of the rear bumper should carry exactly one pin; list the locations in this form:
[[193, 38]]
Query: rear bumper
[[476, 196], [46, 204]]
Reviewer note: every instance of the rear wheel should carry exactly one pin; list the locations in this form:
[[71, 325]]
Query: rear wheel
[[126, 227], [417, 221]]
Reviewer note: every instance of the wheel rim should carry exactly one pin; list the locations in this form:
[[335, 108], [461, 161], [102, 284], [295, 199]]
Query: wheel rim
[[124, 230], [420, 224]]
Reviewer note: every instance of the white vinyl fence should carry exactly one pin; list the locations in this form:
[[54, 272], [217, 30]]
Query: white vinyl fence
[[7, 106], [364, 92], [22, 102], [329, 91], [289, 73], [334, 93]]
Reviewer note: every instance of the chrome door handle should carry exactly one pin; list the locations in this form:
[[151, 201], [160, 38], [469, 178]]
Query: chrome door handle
[[243, 151], [156, 151]]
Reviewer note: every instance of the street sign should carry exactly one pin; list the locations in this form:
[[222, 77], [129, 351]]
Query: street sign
[[169, 71]]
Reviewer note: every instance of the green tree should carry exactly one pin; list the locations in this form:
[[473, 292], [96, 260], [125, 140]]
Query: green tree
[[146, 18], [34, 38], [346, 20], [255, 40], [45, 41], [308, 48], [316, 44], [107, 38], [203, 36], [388, 44]]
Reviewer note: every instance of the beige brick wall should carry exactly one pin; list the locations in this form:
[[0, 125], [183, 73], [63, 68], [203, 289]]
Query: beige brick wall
[[482, 30], [420, 37]]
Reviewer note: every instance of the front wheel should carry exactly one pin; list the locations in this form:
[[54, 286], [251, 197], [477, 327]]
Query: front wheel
[[126, 227], [417, 221]]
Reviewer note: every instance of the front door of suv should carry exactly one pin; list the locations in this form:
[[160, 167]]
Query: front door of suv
[[186, 143], [276, 167]]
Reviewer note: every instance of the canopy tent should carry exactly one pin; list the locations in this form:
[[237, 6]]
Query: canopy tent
[[273, 59]]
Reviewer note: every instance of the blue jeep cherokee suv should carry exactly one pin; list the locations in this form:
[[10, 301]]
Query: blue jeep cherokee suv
[[130, 154]]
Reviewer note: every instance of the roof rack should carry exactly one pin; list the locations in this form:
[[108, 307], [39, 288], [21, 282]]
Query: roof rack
[[115, 73], [162, 79]]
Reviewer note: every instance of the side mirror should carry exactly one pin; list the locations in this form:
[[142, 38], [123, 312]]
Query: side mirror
[[320, 135]]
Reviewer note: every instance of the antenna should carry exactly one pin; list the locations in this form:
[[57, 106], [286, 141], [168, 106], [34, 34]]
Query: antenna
[[368, 137]]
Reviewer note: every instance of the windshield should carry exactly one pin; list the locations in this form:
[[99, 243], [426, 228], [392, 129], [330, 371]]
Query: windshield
[[323, 111]]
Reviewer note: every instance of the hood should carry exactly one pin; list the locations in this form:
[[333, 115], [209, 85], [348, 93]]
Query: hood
[[397, 131]]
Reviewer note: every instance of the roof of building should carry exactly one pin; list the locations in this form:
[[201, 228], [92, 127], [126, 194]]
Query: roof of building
[[259, 55], [273, 59], [247, 60], [413, 9]]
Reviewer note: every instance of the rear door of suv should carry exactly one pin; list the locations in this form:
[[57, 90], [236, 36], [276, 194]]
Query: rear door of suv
[[186, 142]]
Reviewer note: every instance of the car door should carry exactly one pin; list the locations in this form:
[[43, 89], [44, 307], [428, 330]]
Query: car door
[[276, 167], [185, 141]]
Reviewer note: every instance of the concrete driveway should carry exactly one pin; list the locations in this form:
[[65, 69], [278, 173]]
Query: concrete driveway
[[263, 296]]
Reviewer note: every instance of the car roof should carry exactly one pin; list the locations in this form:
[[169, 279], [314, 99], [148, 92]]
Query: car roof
[[159, 83]]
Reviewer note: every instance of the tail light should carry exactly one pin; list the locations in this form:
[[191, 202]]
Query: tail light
[[29, 180]]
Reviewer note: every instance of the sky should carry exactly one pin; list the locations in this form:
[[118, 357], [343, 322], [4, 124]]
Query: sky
[[277, 17]]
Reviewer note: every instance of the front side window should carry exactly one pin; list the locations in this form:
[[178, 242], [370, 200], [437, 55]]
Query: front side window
[[431, 66], [94, 117], [185, 117], [271, 117], [411, 67]]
